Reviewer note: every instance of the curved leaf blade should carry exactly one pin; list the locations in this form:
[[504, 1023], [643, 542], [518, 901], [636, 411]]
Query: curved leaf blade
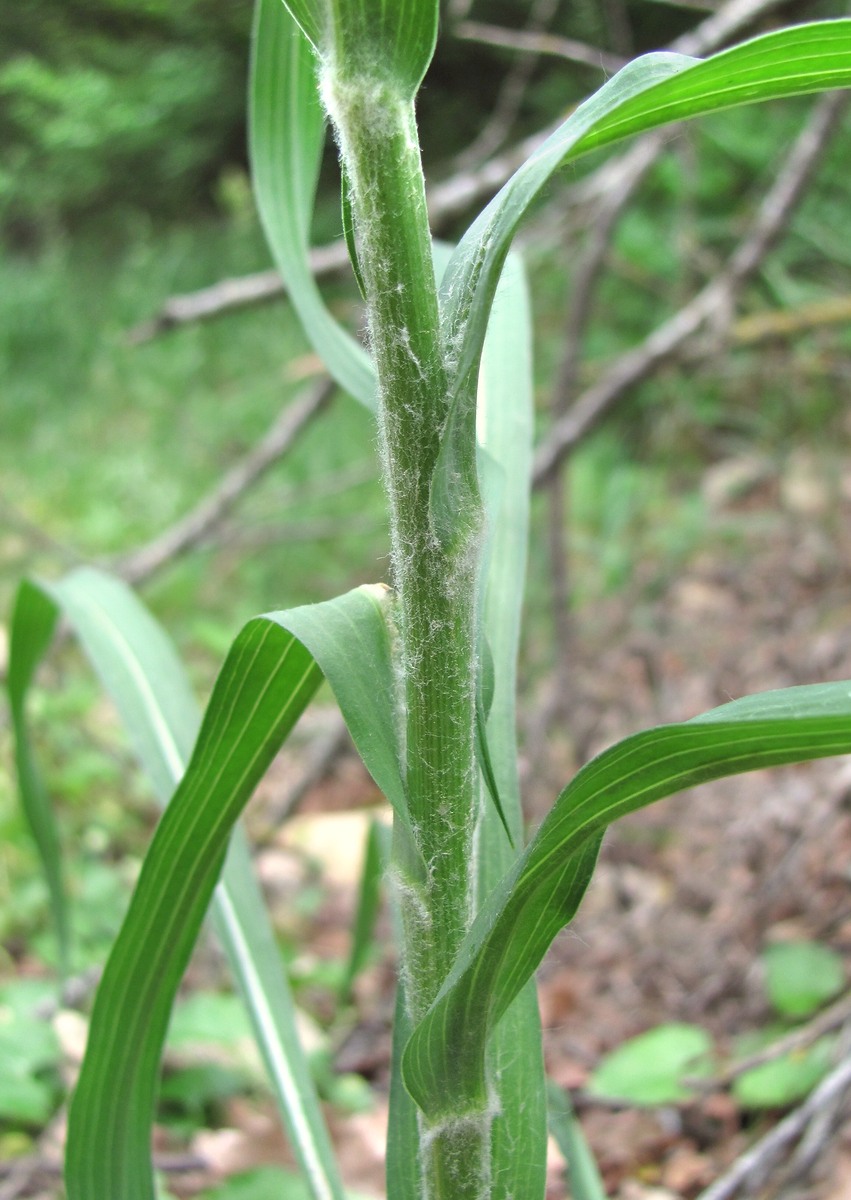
[[141, 671], [266, 682], [651, 91], [446, 1054], [286, 136], [138, 665]]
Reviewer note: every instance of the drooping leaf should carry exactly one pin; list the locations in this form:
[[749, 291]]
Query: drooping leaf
[[286, 135], [446, 1054], [651, 91], [267, 679]]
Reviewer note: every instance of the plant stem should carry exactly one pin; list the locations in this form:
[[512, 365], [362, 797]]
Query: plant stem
[[435, 577]]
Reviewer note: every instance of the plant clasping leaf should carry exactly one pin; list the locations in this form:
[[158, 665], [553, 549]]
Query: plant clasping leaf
[[388, 39], [444, 1063]]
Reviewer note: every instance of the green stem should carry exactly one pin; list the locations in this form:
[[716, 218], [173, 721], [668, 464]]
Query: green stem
[[435, 577]]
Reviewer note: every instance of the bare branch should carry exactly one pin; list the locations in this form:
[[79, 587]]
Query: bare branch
[[525, 41], [713, 301], [207, 515], [233, 293], [509, 101], [797, 1039], [753, 1167]]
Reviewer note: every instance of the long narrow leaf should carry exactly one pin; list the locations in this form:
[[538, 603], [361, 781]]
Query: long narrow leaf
[[140, 669], [267, 680], [446, 1054], [286, 135], [586, 1183], [651, 91], [33, 622], [505, 420]]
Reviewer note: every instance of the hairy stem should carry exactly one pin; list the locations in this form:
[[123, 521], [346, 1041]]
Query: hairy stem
[[435, 577]]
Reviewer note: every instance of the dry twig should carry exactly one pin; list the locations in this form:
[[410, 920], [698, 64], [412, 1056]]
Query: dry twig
[[753, 1167], [714, 302], [495, 131], [832, 1018], [526, 41], [207, 515]]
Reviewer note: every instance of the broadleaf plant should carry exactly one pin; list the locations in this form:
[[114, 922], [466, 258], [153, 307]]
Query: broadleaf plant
[[424, 673]]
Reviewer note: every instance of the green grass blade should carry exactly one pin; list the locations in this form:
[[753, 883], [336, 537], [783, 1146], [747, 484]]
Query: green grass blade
[[582, 1171], [651, 91], [141, 671], [375, 860], [266, 682], [446, 1054], [505, 428], [30, 632], [286, 136]]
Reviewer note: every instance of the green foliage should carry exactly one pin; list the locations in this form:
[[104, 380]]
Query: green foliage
[[648, 1069], [96, 97], [29, 1083], [801, 976], [784, 1080]]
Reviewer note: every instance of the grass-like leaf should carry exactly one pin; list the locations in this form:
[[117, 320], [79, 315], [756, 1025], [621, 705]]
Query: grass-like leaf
[[266, 682], [286, 136], [139, 668], [651, 91], [505, 421], [446, 1055], [33, 622], [583, 1174]]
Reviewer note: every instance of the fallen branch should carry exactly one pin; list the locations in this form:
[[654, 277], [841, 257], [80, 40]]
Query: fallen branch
[[753, 1167], [211, 511], [525, 41], [713, 302], [798, 1039]]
